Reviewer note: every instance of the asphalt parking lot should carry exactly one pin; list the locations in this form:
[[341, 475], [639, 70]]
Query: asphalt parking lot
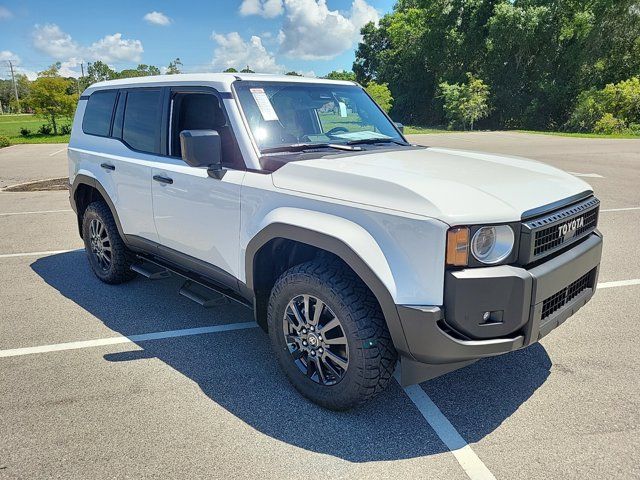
[[206, 399]]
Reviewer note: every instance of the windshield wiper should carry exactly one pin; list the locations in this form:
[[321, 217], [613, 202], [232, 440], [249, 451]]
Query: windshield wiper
[[301, 147], [372, 141]]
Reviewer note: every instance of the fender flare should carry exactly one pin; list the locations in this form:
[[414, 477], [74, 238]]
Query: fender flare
[[82, 179], [343, 251]]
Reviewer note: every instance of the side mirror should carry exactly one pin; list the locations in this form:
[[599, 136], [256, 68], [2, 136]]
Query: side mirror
[[202, 148], [399, 126]]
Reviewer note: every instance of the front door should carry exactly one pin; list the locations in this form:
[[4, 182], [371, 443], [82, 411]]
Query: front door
[[194, 214]]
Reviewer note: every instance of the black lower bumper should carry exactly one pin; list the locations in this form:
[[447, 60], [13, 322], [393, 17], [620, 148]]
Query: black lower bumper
[[523, 304]]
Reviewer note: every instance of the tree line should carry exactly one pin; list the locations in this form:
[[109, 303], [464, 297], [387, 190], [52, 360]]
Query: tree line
[[527, 64]]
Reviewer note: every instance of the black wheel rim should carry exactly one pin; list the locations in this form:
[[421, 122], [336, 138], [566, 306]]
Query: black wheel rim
[[100, 244], [316, 340]]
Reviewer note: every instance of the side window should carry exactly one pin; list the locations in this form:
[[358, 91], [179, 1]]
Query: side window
[[97, 115], [202, 111], [143, 120]]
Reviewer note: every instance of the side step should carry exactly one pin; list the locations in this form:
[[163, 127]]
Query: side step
[[151, 271], [202, 295]]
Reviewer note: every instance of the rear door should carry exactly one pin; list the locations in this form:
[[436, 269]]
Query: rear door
[[197, 217]]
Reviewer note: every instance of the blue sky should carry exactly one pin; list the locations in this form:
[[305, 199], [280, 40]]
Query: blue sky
[[309, 36]]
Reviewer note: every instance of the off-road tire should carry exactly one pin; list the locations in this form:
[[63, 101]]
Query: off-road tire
[[119, 269], [372, 356]]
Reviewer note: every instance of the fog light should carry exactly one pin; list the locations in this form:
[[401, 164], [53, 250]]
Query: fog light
[[486, 316]]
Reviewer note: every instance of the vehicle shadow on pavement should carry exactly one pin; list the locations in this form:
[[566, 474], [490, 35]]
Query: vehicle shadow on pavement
[[238, 372]]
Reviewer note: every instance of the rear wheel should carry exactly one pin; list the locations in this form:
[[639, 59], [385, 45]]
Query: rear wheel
[[108, 256], [329, 335]]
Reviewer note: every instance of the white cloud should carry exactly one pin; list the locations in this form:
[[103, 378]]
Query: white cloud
[[157, 18], [5, 13], [71, 68], [114, 48], [264, 8], [15, 59], [234, 52], [311, 31], [50, 39]]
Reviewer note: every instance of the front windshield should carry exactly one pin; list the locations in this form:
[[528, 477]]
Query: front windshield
[[282, 114]]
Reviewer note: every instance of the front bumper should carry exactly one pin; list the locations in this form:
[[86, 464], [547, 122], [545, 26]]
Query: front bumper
[[525, 305]]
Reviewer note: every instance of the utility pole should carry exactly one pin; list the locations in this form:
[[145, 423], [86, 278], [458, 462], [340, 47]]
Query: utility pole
[[15, 87], [82, 68], [1, 111]]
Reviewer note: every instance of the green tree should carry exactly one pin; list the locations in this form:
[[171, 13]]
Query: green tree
[[174, 67], [341, 75], [99, 72], [293, 74], [466, 103], [537, 55], [141, 70], [247, 70], [230, 70], [49, 96], [381, 94]]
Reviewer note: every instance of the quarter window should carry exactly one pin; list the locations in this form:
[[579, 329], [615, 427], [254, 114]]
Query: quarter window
[[97, 115], [143, 120]]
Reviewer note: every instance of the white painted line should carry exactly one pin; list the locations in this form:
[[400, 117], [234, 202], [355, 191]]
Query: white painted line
[[619, 283], [38, 254], [466, 457], [59, 151], [57, 347], [620, 209], [34, 212], [588, 175]]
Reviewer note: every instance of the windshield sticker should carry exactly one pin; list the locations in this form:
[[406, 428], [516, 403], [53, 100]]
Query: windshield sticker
[[343, 109], [264, 104], [364, 135]]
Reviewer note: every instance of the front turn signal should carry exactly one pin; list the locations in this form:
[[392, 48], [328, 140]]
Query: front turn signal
[[458, 247]]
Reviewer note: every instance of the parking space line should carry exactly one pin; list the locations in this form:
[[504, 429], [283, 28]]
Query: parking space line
[[57, 152], [619, 209], [462, 451], [57, 347], [9, 214], [38, 254], [619, 283]]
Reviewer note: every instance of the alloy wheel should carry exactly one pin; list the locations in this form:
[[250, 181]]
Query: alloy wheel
[[100, 244], [316, 339]]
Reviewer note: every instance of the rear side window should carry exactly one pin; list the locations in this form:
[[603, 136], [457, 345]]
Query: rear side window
[[97, 115], [143, 120]]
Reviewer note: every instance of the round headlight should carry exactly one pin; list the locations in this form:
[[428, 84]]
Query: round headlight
[[492, 244]]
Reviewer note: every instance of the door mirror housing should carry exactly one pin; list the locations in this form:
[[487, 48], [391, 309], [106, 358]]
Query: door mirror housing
[[202, 148], [399, 126]]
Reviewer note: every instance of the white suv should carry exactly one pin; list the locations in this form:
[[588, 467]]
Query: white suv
[[300, 198]]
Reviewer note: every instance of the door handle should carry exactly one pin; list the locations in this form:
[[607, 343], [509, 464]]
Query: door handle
[[161, 179], [108, 166]]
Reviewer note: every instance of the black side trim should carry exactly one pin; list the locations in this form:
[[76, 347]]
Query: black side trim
[[84, 97], [534, 212], [226, 95], [342, 251]]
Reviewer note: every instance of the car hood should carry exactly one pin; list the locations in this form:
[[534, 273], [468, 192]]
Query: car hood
[[455, 186]]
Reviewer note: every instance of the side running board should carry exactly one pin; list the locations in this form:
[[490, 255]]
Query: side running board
[[202, 295], [151, 271]]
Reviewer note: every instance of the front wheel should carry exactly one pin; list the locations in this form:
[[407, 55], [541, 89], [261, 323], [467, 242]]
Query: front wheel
[[329, 335]]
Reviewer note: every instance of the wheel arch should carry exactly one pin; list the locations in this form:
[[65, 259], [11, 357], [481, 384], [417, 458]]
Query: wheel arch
[[258, 252], [86, 189]]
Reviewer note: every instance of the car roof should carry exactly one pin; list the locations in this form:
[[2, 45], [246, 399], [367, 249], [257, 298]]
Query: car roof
[[220, 81]]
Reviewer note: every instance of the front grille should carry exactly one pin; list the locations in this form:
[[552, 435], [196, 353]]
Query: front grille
[[542, 236], [550, 237], [558, 300]]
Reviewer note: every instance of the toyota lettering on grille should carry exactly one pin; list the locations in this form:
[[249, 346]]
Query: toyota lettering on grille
[[569, 229]]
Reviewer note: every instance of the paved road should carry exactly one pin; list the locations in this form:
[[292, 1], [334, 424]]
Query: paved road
[[215, 405], [26, 163]]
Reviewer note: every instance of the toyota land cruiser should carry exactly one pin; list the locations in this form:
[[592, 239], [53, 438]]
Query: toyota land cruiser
[[301, 199]]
